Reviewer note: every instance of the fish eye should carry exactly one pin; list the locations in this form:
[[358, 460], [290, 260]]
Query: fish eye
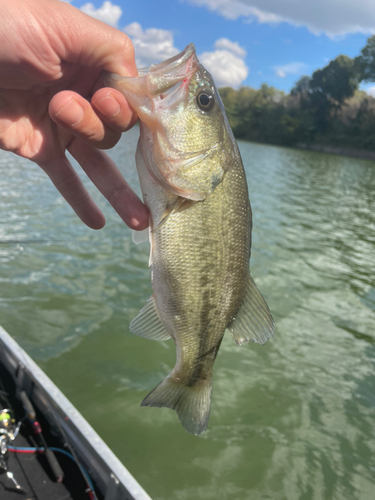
[[205, 100]]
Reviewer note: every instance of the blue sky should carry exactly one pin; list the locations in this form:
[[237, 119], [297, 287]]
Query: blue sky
[[244, 42]]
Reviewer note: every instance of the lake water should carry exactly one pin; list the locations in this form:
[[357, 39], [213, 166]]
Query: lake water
[[291, 420]]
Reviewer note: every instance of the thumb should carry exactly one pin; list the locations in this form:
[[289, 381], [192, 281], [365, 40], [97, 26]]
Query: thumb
[[82, 39]]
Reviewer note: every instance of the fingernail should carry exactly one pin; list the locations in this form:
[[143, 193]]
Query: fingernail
[[70, 113], [108, 106]]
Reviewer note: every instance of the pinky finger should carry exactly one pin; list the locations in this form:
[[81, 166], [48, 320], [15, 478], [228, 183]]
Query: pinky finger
[[70, 186]]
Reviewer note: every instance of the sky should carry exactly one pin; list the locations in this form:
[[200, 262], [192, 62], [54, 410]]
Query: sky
[[244, 42]]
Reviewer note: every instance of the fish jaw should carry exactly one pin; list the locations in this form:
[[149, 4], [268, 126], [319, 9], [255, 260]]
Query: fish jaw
[[153, 85], [155, 197]]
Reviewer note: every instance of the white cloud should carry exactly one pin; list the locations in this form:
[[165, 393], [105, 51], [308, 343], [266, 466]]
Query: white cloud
[[333, 17], [293, 68], [226, 63], [234, 47], [233, 9], [151, 45], [108, 13], [371, 91]]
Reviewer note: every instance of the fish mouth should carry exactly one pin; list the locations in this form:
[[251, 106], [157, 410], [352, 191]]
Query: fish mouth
[[157, 79], [177, 65]]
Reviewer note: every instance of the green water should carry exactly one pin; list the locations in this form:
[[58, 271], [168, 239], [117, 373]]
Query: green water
[[291, 420]]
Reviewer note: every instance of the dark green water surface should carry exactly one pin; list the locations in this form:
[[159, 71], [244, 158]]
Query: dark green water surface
[[291, 420]]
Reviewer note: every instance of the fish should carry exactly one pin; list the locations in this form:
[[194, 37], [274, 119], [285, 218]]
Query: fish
[[194, 184]]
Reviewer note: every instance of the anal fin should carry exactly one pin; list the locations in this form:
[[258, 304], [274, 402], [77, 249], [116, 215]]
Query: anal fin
[[148, 323], [253, 320]]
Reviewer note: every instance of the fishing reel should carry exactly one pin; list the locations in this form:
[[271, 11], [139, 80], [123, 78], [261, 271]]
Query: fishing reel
[[7, 421], [8, 432]]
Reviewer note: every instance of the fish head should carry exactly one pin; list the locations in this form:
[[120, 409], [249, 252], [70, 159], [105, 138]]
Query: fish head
[[190, 144]]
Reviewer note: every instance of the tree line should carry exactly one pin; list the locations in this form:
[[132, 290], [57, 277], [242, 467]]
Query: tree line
[[326, 108]]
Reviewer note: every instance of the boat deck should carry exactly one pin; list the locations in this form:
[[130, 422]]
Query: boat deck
[[31, 470]]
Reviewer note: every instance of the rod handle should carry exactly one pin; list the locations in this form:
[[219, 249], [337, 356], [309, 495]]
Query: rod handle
[[29, 409], [54, 464]]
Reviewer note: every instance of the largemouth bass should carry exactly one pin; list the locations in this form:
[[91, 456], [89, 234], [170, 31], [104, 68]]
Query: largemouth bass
[[194, 184]]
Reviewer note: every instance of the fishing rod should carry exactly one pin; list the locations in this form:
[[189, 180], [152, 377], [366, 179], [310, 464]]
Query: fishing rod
[[37, 429]]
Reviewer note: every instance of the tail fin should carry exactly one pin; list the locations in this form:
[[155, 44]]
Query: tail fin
[[192, 404]]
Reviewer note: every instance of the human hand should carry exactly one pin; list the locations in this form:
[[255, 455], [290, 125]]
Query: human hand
[[52, 100]]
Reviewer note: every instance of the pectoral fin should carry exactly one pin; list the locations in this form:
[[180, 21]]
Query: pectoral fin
[[148, 323], [177, 206], [254, 320], [140, 236]]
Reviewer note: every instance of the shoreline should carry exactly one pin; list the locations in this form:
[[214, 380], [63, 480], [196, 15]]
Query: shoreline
[[349, 152]]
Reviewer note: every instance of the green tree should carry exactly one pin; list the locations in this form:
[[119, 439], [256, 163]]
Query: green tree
[[366, 61], [325, 109], [302, 86], [330, 86]]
